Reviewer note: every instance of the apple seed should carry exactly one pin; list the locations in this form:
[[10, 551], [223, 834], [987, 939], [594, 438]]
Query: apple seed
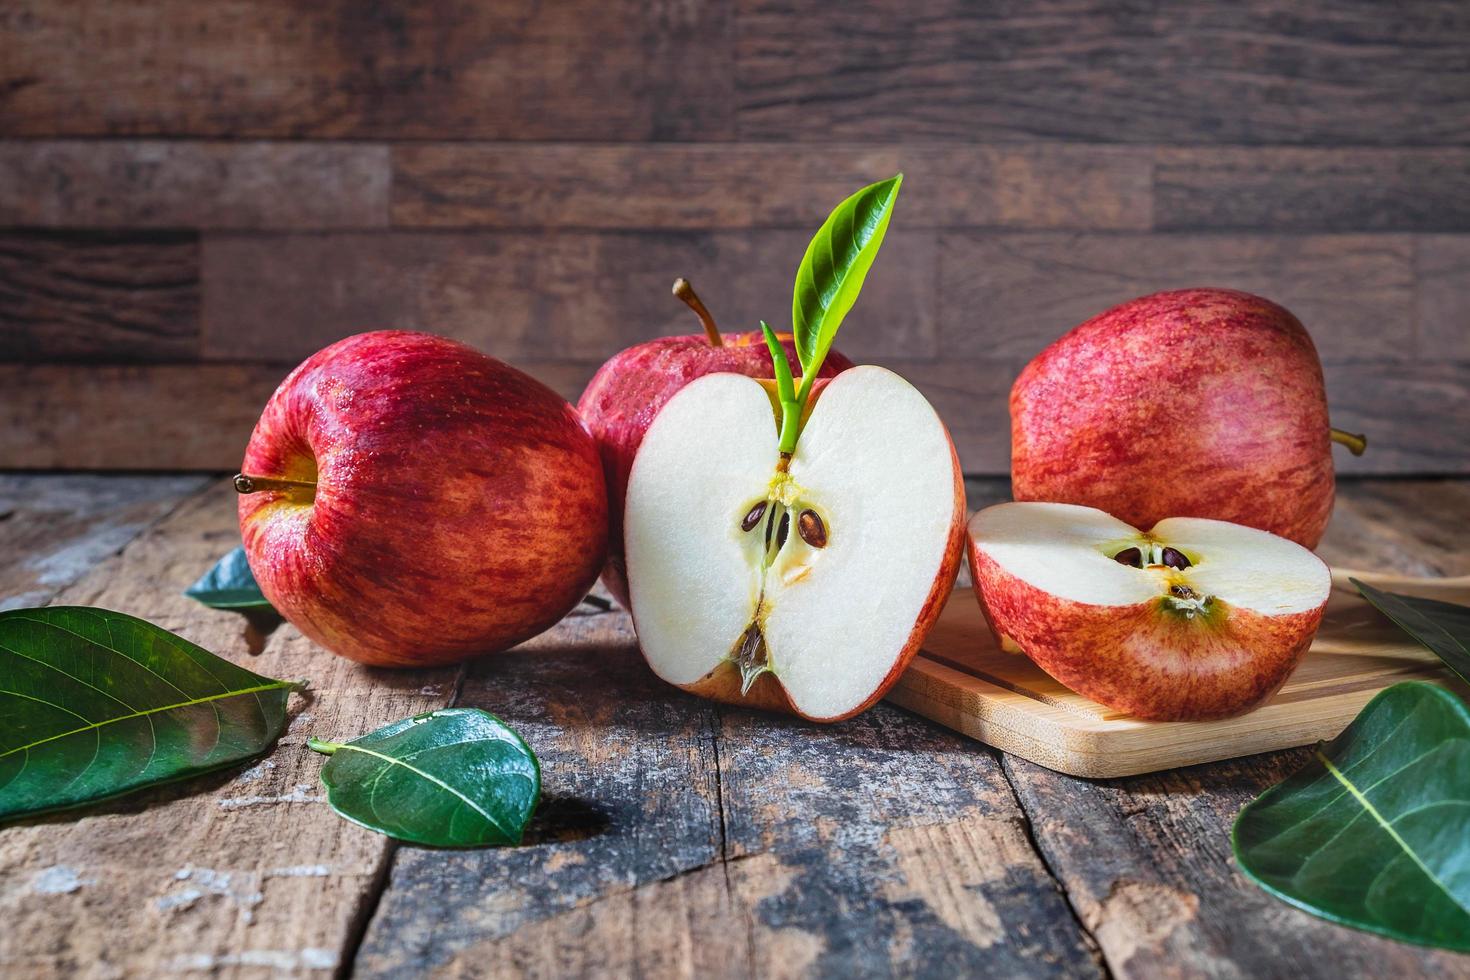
[[1175, 559], [783, 531], [753, 516], [1129, 556], [1183, 592], [809, 525]]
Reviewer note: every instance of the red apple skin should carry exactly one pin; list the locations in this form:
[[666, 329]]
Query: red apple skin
[[723, 683], [1194, 403], [459, 507], [1141, 659], [621, 400]]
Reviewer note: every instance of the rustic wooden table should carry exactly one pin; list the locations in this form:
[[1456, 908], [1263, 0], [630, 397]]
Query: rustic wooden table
[[676, 837]]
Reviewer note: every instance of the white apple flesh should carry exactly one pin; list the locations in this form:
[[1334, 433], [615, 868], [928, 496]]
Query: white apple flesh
[[873, 503], [1192, 620]]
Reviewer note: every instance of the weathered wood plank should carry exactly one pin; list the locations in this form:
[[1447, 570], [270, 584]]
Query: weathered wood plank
[[1147, 861], [1266, 71], [618, 70], [1414, 414], [1442, 265], [1299, 189], [681, 839], [122, 296], [179, 184], [522, 296], [772, 185], [241, 873], [156, 417], [1009, 295], [55, 527]]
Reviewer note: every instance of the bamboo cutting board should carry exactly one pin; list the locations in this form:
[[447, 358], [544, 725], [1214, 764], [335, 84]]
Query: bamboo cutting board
[[962, 680]]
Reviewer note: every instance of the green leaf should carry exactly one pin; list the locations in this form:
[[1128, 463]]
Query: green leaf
[[785, 391], [452, 778], [229, 585], [832, 272], [1443, 627], [1375, 832], [95, 703]]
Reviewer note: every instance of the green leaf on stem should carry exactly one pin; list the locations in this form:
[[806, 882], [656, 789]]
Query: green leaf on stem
[[832, 272], [229, 585], [1443, 627], [1374, 832], [94, 704], [458, 777], [785, 391]]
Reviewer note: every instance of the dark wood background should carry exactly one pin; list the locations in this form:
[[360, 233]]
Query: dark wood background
[[194, 196]]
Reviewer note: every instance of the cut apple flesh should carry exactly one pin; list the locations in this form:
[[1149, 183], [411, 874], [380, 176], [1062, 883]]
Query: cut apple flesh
[[823, 575], [1196, 618]]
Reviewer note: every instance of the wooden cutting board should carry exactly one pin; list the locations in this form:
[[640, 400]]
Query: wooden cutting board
[[964, 681]]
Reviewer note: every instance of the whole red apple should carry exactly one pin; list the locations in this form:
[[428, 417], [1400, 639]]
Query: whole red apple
[[1193, 403], [628, 390], [407, 500]]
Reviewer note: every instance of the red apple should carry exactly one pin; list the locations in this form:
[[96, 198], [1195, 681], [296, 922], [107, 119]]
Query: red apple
[[1195, 403], [407, 500], [1194, 619], [628, 390], [805, 583]]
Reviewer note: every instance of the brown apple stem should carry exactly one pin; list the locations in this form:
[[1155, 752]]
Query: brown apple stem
[[255, 484], [686, 292], [1356, 443]]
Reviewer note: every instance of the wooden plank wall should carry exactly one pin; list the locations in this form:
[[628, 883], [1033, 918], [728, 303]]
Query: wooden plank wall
[[195, 196]]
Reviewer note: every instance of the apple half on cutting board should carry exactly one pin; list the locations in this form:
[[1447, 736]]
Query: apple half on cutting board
[[806, 589], [1195, 619]]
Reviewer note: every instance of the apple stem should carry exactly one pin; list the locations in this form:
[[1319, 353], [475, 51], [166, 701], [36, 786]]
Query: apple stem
[[686, 292], [1355, 442], [255, 484], [325, 748]]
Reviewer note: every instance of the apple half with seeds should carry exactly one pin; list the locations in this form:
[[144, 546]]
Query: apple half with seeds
[[790, 548], [1194, 619]]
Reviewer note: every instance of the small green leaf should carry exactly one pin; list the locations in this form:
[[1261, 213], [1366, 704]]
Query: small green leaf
[[452, 778], [785, 391], [832, 272], [1375, 832], [1443, 627], [95, 703], [229, 585]]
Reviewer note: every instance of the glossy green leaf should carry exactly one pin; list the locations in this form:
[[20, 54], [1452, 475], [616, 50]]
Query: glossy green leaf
[[1443, 627], [785, 390], [458, 777], [229, 585], [831, 273], [1375, 832], [95, 703]]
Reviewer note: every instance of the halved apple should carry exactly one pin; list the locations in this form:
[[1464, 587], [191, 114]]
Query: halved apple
[[803, 584], [1194, 619]]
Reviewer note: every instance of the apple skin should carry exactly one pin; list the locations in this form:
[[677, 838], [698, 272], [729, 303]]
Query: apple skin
[[1141, 660], [1193, 403], [621, 400], [459, 506]]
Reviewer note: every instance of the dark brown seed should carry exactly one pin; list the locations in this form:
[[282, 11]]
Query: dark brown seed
[[1175, 559], [753, 516], [1182, 591], [784, 530], [1129, 556], [809, 525]]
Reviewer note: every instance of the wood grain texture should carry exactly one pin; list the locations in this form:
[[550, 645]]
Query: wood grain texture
[[683, 839], [518, 296], [765, 185], [158, 184], [55, 527], [155, 417], [1012, 294], [117, 296], [459, 69], [1443, 268], [1265, 71], [1291, 189], [235, 873]]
